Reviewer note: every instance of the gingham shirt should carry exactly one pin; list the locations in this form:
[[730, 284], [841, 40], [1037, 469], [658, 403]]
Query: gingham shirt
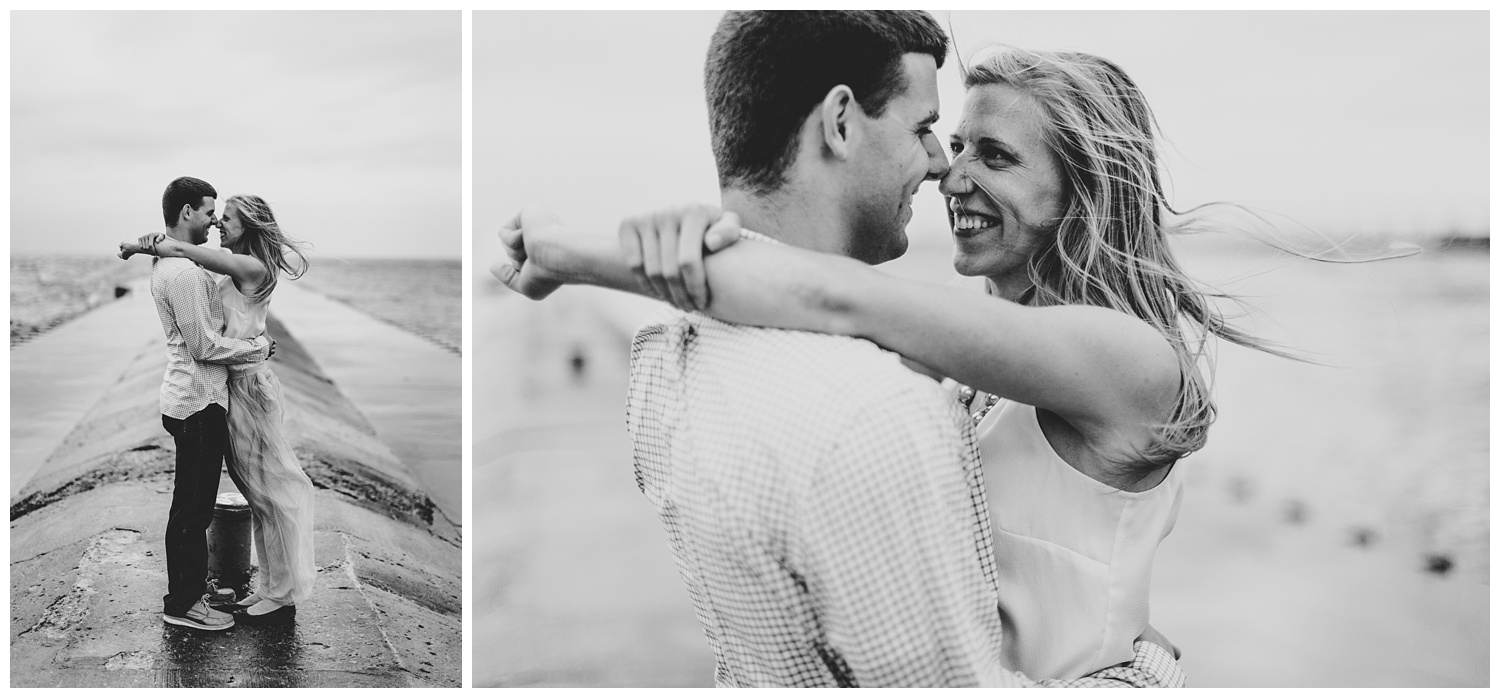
[[826, 510], [193, 318]]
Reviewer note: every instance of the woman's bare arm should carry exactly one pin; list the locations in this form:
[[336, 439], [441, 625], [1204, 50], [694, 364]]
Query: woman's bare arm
[[1105, 372], [247, 271]]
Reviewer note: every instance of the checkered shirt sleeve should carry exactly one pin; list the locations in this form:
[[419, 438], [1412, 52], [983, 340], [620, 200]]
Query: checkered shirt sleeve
[[187, 303]]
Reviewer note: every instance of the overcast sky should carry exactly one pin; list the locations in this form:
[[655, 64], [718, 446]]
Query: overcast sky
[[348, 123], [1342, 121]]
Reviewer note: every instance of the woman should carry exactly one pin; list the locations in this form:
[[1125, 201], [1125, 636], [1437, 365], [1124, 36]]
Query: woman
[[261, 462], [1087, 347]]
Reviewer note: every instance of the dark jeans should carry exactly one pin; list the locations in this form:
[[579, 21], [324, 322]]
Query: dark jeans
[[201, 440]]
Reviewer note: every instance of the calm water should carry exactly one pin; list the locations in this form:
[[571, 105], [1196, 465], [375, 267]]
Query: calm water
[[49, 289], [1390, 434], [419, 296]]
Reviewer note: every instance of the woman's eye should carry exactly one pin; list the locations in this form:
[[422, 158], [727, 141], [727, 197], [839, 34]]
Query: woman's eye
[[996, 157]]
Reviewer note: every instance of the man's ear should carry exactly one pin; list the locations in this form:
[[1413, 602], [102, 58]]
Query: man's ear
[[838, 111], [186, 213]]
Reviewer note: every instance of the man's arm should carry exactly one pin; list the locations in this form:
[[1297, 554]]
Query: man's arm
[[198, 321], [890, 545]]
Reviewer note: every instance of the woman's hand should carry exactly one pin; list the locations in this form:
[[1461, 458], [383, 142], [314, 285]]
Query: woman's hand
[[523, 271], [165, 246], [665, 250], [1154, 636], [146, 244]]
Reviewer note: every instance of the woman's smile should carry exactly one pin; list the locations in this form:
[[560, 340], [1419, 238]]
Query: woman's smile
[[972, 224]]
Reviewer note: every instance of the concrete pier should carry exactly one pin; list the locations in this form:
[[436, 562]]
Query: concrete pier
[[91, 486]]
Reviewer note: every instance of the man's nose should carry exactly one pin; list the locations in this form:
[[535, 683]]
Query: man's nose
[[937, 162]]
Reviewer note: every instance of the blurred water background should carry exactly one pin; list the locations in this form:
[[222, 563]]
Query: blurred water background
[[1385, 440], [421, 296], [1375, 456]]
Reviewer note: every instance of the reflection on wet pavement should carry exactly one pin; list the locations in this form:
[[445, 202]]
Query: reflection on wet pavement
[[272, 657]]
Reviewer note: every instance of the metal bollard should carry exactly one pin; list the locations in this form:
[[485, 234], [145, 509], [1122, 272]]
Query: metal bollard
[[229, 542]]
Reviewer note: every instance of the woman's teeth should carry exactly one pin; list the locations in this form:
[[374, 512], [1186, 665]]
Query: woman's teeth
[[970, 222]]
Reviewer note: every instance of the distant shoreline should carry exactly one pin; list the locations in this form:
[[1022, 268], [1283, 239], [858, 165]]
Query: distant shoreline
[[420, 296]]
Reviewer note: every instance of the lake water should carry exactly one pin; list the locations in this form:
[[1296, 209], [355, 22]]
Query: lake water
[[419, 296]]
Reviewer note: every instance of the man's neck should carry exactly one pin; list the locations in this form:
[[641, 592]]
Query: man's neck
[[180, 234], [801, 221]]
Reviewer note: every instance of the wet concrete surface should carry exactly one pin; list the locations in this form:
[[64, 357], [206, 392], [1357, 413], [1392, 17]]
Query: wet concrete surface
[[86, 604], [408, 388], [57, 377], [87, 569]]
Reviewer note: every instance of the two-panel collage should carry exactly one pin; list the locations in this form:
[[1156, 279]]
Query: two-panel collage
[[478, 349]]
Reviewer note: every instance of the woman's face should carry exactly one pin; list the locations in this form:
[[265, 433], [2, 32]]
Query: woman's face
[[999, 145], [231, 227]]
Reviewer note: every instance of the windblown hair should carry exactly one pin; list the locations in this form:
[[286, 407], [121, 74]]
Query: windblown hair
[[766, 70], [264, 240], [1110, 248], [183, 191]]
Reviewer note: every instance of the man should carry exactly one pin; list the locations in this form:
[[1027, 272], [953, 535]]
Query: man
[[194, 399], [823, 502]]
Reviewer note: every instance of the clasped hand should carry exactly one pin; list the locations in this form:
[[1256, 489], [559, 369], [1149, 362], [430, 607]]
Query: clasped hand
[[150, 243], [664, 251]]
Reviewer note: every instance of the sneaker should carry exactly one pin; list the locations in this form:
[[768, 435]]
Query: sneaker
[[202, 617], [231, 605], [219, 597]]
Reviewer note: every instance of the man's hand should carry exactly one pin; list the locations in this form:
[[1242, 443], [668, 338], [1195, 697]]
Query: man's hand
[[529, 280], [666, 249], [1153, 636]]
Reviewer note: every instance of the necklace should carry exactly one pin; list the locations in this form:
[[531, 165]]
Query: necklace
[[966, 397]]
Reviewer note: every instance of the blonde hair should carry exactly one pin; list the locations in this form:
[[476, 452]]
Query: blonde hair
[[1110, 247], [262, 238]]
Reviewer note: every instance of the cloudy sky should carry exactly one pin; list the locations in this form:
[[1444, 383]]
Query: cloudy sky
[[1342, 121], [348, 123]]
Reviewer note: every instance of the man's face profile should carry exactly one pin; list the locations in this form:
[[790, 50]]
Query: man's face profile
[[199, 219], [900, 153]]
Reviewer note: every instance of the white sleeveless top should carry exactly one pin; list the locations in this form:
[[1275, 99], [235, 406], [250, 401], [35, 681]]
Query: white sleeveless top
[[243, 318], [1073, 554]]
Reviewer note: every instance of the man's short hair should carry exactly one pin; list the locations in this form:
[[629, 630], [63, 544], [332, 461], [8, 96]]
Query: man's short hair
[[184, 190], [766, 71]]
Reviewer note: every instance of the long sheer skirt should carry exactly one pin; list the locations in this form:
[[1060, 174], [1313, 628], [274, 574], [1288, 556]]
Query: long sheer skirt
[[264, 467]]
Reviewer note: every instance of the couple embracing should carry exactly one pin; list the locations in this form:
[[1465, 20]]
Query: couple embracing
[[872, 481], [222, 404]]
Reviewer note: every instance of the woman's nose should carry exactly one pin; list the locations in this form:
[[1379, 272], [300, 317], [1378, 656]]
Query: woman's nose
[[955, 180]]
